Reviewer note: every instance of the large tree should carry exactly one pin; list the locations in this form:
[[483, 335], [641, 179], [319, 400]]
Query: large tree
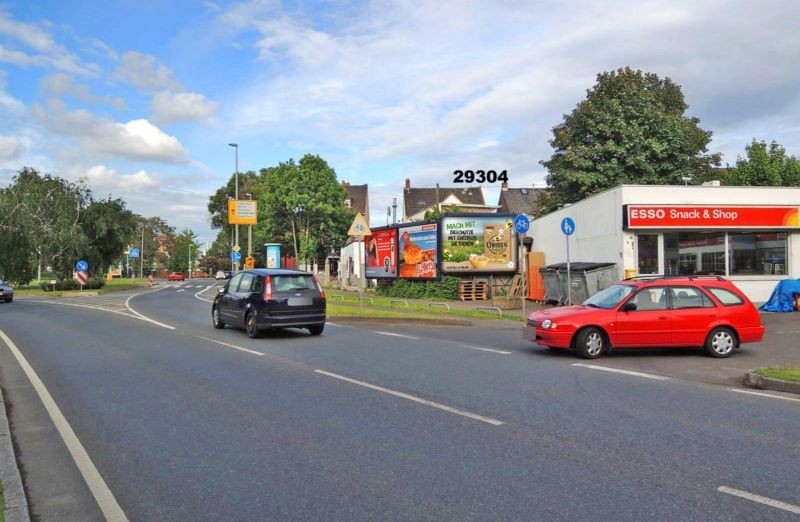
[[109, 227], [218, 202], [631, 128], [765, 165]]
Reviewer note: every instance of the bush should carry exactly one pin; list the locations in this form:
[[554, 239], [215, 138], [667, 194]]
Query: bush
[[446, 288], [93, 283]]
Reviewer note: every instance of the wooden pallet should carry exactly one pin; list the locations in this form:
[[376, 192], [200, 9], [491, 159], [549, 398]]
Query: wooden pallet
[[473, 291]]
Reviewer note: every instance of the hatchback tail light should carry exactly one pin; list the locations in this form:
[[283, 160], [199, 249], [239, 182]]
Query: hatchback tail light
[[268, 288], [319, 286]]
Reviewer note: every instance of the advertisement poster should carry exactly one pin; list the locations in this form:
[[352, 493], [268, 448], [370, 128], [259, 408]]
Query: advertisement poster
[[478, 244], [418, 247], [382, 253]]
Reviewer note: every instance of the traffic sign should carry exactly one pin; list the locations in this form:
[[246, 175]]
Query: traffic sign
[[522, 223], [359, 227], [82, 277], [236, 256], [82, 266], [133, 253], [568, 226], [237, 248]]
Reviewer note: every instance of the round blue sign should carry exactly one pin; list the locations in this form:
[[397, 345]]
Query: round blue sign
[[236, 256], [522, 224], [568, 226], [82, 266]]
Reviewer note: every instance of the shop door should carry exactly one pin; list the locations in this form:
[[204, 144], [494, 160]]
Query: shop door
[[647, 252]]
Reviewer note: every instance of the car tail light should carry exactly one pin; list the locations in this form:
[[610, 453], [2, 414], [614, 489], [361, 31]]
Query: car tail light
[[268, 288], [319, 286]]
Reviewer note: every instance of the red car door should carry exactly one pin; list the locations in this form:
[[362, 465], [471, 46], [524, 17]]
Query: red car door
[[691, 315], [647, 325]]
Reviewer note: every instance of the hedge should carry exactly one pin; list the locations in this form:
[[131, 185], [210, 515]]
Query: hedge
[[446, 288], [93, 283]]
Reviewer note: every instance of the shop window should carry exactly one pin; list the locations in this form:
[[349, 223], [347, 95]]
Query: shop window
[[757, 253], [647, 248], [688, 253]]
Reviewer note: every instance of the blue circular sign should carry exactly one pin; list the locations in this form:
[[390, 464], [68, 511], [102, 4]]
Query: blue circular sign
[[568, 226], [236, 256], [82, 266], [522, 224]]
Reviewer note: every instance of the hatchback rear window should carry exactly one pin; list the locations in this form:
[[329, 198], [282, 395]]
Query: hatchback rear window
[[291, 283], [726, 297]]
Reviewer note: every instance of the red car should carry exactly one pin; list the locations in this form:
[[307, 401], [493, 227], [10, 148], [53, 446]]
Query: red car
[[177, 276], [652, 312]]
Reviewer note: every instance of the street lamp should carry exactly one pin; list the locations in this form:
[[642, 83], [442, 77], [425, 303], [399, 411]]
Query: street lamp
[[236, 191], [249, 232]]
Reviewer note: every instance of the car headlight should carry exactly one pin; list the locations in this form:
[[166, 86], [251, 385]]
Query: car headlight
[[546, 323]]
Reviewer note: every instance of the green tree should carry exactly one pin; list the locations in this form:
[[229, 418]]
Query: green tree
[[631, 128], [218, 202], [766, 165], [183, 245], [109, 227]]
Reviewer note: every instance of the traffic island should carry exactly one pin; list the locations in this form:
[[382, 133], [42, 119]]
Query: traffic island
[[776, 379]]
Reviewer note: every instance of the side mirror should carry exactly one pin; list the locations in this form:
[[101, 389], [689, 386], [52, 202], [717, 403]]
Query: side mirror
[[630, 306]]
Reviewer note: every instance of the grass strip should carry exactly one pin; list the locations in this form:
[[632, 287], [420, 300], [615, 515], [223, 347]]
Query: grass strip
[[784, 374], [385, 302]]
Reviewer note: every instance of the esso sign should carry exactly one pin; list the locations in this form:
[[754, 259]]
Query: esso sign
[[648, 213]]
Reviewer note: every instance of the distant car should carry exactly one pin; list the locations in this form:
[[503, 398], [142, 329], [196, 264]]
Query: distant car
[[263, 298], [6, 292], [177, 276], [652, 312], [220, 275]]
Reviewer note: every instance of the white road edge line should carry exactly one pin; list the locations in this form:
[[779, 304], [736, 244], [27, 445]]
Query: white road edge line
[[230, 345], [100, 491], [142, 317], [481, 348], [791, 508], [397, 335], [197, 295], [414, 398], [760, 394], [626, 372]]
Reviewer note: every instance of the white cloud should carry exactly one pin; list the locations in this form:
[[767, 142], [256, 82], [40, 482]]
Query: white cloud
[[146, 72], [60, 84], [11, 147], [137, 140], [169, 107], [102, 178]]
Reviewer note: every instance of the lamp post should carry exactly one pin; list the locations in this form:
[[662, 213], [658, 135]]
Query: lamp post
[[236, 192], [249, 232], [190, 260]]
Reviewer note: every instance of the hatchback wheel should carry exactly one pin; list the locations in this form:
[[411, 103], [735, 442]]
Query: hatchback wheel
[[250, 326], [590, 343], [721, 342], [216, 319]]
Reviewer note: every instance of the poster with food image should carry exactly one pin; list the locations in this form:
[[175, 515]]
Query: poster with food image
[[381, 254], [479, 244], [419, 245]]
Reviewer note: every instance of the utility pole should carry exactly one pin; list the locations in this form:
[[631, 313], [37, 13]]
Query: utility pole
[[141, 255], [249, 233], [236, 193], [394, 211], [190, 260]]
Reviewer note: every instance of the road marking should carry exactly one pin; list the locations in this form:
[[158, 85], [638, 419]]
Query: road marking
[[760, 394], [626, 372], [100, 491], [180, 290], [481, 348], [791, 508], [197, 295], [398, 335], [143, 317], [414, 398], [231, 345]]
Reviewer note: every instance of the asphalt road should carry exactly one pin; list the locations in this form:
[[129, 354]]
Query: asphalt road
[[184, 422]]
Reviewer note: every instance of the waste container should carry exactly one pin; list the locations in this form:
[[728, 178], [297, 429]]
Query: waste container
[[586, 279], [553, 285]]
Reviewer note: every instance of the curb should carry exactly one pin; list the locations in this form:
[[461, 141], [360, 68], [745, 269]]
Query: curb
[[352, 319], [15, 499], [754, 380]]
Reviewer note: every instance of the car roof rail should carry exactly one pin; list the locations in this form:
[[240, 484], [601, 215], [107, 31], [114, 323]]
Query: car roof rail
[[654, 277]]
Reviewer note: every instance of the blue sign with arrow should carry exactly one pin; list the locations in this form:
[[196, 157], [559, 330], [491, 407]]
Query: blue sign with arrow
[[82, 266], [568, 226], [133, 253], [522, 224], [236, 256]]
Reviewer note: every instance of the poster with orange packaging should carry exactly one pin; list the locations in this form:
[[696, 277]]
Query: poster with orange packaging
[[419, 247], [381, 253]]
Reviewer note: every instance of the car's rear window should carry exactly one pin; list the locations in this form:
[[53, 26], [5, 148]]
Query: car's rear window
[[726, 297], [292, 283]]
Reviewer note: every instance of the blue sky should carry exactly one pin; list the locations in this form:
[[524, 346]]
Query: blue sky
[[141, 98]]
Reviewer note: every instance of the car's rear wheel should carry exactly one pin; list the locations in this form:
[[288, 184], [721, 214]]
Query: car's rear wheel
[[217, 319], [316, 329], [590, 343], [721, 342], [250, 326]]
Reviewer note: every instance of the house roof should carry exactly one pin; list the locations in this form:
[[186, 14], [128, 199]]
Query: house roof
[[358, 193], [518, 200], [418, 199]]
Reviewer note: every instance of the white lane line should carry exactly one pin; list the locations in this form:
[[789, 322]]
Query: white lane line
[[180, 290], [791, 508], [143, 317], [230, 345], [413, 398], [760, 394], [100, 491], [483, 349], [398, 335], [198, 294], [626, 372]]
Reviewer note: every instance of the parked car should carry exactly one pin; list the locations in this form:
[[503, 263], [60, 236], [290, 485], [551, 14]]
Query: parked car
[[652, 312], [6, 292], [221, 275], [263, 298], [177, 276]]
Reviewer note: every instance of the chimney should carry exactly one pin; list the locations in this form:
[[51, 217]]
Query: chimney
[[346, 184], [408, 184], [505, 185]]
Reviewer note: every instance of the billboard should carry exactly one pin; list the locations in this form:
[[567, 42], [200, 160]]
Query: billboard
[[242, 212], [473, 243], [381, 255], [418, 251]]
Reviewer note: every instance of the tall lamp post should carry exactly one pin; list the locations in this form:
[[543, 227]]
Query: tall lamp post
[[236, 192], [249, 232]]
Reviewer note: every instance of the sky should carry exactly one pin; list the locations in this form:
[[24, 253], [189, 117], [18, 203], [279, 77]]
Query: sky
[[142, 97]]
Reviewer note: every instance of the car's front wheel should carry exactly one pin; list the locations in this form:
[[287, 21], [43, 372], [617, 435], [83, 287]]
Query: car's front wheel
[[216, 319], [590, 343], [251, 327], [721, 342]]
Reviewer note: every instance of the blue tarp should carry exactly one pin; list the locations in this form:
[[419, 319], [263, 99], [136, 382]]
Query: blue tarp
[[782, 299]]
